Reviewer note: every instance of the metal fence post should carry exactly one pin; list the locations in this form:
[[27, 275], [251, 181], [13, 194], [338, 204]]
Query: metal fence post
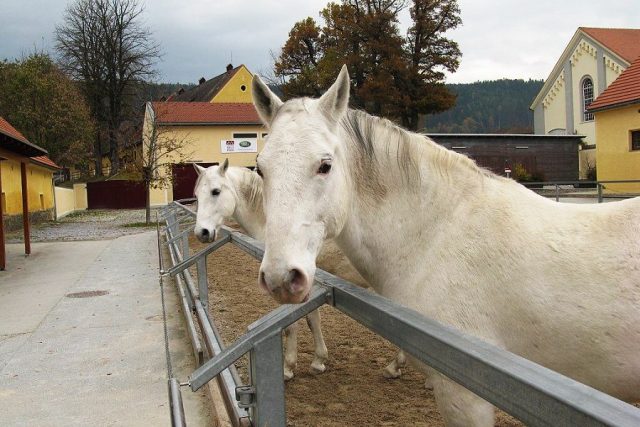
[[557, 193], [185, 246], [267, 377], [599, 193], [203, 286]]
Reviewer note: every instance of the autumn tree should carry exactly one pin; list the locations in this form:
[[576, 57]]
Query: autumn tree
[[47, 107], [401, 77], [161, 148], [104, 45]]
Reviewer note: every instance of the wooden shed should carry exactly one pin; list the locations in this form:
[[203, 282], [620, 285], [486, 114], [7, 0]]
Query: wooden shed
[[552, 157]]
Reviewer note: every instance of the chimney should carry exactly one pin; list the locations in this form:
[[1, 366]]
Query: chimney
[[229, 67], [202, 80]]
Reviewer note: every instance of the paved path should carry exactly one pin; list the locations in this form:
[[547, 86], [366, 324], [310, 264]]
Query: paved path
[[90, 359]]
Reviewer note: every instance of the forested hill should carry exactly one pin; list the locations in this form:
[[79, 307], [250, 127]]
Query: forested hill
[[499, 106]]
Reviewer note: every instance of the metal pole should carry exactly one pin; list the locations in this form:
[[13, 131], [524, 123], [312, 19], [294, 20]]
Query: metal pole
[[599, 193], [203, 285], [557, 193], [267, 377], [177, 410]]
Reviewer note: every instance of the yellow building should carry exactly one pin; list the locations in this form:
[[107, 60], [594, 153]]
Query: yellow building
[[23, 166], [592, 60], [617, 120], [213, 121]]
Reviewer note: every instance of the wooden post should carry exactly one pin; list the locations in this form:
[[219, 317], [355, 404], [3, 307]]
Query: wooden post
[[3, 255], [25, 210]]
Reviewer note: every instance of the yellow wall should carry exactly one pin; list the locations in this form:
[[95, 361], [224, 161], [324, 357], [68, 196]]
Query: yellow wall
[[40, 188], [614, 157], [232, 91], [69, 200], [204, 147]]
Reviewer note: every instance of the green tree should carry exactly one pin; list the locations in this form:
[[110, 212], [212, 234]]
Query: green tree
[[47, 107], [391, 75]]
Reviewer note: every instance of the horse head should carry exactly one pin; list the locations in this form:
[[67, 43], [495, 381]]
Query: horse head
[[306, 184], [216, 200]]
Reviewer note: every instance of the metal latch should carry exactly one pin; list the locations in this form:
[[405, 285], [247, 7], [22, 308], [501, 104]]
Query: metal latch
[[245, 396]]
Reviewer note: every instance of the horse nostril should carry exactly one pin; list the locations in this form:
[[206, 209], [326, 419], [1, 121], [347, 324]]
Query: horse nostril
[[263, 282], [296, 281], [204, 232]]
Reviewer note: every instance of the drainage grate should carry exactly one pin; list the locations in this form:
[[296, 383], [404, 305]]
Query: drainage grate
[[87, 294]]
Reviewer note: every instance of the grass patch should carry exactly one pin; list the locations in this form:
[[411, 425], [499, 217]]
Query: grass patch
[[139, 224]]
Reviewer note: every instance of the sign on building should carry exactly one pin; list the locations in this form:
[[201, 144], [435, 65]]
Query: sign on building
[[239, 145]]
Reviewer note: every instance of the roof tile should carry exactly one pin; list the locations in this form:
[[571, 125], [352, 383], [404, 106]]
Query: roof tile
[[623, 41], [205, 113]]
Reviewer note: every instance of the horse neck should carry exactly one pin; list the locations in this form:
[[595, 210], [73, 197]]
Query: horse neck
[[249, 212], [415, 190]]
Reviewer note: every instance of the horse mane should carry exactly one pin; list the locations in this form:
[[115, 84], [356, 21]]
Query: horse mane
[[370, 135], [250, 189]]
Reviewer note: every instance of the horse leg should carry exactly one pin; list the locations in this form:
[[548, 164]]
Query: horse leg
[[460, 407], [393, 369], [320, 351], [290, 350]]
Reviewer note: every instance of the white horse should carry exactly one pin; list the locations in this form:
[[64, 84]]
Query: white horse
[[556, 283], [225, 192]]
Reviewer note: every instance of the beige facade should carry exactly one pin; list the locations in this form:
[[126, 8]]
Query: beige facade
[[203, 145], [587, 66], [559, 106]]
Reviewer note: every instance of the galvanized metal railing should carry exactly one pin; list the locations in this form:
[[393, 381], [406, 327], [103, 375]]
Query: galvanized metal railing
[[529, 392], [599, 185]]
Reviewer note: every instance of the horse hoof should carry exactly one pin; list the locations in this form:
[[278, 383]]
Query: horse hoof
[[428, 384], [391, 374], [317, 368], [288, 375]]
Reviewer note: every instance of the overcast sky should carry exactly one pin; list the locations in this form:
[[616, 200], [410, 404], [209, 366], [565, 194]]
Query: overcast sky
[[498, 38]]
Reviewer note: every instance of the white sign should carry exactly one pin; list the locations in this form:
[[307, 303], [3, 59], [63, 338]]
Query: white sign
[[239, 145]]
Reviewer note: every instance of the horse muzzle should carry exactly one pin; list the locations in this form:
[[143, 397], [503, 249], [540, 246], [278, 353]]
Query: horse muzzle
[[204, 235], [290, 288]]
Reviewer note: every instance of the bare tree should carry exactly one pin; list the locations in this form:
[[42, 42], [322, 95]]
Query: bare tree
[[103, 44], [162, 146]]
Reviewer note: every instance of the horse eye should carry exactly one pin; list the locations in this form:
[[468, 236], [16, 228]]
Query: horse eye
[[324, 168], [215, 192]]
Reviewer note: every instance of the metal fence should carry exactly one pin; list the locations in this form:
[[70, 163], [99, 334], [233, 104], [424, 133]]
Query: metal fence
[[568, 188], [529, 392]]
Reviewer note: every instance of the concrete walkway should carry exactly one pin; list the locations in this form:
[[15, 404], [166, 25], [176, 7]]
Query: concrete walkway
[[81, 336]]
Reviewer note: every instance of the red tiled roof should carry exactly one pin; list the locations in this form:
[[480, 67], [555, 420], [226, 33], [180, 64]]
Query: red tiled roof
[[205, 113], [624, 90], [46, 161], [623, 41], [7, 129]]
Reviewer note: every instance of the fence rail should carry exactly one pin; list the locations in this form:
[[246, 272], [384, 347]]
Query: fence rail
[[600, 186], [530, 392]]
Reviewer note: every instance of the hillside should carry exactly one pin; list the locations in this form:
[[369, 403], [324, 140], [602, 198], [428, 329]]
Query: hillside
[[499, 106]]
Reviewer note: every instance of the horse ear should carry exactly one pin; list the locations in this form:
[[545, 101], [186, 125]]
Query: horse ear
[[199, 168], [335, 101], [223, 169], [266, 102]]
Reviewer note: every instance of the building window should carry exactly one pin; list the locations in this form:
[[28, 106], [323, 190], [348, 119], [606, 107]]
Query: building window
[[635, 140], [587, 98]]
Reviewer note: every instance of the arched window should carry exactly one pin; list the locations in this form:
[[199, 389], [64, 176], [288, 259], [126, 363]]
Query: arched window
[[587, 98]]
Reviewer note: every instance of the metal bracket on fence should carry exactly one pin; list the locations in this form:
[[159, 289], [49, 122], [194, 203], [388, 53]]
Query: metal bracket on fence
[[245, 396], [284, 316]]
